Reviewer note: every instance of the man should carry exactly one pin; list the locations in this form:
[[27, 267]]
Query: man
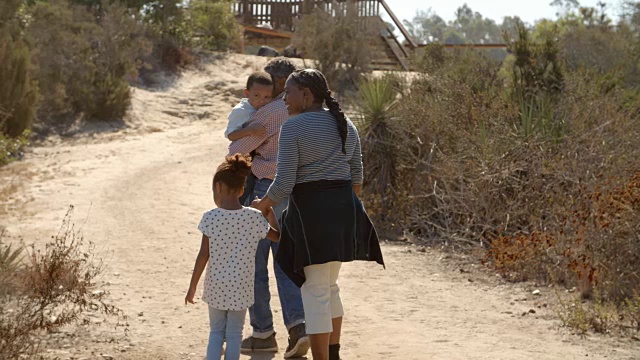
[[271, 117]]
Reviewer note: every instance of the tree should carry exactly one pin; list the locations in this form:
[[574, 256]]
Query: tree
[[427, 27], [468, 27], [565, 6]]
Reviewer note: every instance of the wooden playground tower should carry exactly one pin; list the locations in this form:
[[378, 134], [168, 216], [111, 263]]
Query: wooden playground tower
[[390, 53]]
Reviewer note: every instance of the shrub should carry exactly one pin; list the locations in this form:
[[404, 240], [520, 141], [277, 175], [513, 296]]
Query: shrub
[[11, 147], [542, 167], [213, 24], [52, 288], [84, 58], [18, 93], [339, 42]]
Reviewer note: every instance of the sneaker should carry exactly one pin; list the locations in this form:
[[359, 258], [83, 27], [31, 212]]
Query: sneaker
[[252, 344], [298, 342]]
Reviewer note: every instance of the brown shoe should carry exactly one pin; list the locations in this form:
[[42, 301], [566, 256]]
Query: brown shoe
[[253, 344], [298, 342]]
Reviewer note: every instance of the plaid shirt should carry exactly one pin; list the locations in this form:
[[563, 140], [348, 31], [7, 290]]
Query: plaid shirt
[[271, 116]]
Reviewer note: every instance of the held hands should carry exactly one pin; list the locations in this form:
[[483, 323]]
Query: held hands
[[262, 205]]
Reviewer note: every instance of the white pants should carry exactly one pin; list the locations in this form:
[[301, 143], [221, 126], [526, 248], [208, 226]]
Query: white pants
[[321, 297]]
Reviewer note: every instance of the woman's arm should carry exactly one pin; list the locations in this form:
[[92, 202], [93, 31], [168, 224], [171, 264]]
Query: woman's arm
[[201, 263], [274, 231], [357, 172], [264, 205]]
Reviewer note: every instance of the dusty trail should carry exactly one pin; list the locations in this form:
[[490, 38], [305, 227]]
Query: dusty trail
[[142, 191]]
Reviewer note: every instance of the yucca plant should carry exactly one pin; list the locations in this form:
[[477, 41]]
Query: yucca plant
[[537, 118], [9, 257], [9, 265], [376, 100]]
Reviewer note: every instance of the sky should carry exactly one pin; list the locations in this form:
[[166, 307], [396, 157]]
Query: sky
[[527, 10]]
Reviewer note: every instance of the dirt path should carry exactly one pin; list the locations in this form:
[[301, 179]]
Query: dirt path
[[142, 196]]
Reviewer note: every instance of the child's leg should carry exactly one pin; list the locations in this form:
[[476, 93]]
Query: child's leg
[[235, 323], [217, 321]]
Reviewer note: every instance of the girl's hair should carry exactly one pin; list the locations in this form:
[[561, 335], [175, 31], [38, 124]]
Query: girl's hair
[[233, 171], [316, 82]]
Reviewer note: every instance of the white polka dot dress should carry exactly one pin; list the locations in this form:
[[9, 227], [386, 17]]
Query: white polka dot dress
[[233, 241]]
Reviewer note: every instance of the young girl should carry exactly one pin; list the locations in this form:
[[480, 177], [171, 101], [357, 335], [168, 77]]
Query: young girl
[[230, 236]]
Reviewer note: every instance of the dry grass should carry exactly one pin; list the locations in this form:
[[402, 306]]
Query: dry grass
[[45, 289]]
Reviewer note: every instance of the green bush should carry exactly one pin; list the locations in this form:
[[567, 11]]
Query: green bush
[[339, 42], [212, 24], [11, 146], [85, 59], [18, 92]]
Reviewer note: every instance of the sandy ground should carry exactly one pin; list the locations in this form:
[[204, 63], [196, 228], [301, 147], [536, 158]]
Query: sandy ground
[[139, 192]]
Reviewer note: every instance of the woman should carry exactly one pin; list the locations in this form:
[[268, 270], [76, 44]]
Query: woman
[[320, 172]]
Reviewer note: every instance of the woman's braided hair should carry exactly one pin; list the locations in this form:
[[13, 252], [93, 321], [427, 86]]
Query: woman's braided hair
[[316, 82]]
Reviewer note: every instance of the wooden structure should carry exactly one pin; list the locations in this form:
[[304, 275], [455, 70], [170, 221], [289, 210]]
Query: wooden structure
[[272, 23]]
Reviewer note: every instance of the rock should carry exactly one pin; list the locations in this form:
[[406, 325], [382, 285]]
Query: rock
[[531, 311], [98, 293], [141, 313], [535, 292], [107, 357], [268, 51]]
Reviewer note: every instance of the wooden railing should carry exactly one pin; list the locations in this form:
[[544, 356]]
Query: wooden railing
[[280, 14]]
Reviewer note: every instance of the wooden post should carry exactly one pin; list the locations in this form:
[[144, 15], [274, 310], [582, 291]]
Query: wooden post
[[307, 6], [245, 7]]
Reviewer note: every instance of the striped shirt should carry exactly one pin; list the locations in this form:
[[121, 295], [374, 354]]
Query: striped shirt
[[271, 116], [310, 149]]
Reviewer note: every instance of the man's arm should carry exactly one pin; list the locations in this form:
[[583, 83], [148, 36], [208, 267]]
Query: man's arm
[[254, 130]]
